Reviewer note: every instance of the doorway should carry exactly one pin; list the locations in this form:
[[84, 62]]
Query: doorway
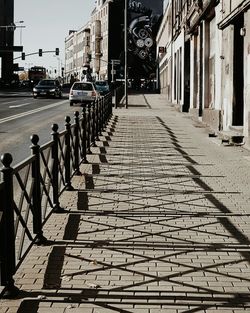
[[186, 104], [238, 73]]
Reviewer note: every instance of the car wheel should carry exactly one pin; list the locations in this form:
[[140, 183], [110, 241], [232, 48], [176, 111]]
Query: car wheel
[[60, 95], [71, 103], [34, 97]]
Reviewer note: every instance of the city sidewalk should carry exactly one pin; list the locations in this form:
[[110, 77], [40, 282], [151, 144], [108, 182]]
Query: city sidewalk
[[158, 222]]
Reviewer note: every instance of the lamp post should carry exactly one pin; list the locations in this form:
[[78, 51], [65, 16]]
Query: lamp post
[[126, 52]]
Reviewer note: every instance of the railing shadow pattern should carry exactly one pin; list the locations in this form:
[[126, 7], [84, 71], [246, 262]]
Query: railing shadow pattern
[[153, 235], [30, 191]]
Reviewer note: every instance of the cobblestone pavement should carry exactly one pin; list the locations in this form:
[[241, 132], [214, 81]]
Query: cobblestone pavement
[[158, 222]]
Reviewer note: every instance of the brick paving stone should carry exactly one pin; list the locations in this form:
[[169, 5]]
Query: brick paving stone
[[162, 227]]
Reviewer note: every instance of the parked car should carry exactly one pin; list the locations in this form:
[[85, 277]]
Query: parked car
[[83, 92], [102, 86], [66, 87], [48, 88]]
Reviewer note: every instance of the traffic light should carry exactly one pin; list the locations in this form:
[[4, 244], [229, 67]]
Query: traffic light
[[23, 55], [57, 51], [40, 52]]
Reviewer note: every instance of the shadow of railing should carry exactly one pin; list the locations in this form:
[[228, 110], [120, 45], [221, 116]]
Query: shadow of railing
[[30, 191], [156, 235]]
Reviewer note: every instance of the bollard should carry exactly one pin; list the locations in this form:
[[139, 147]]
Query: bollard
[[76, 146], [55, 169], [84, 136], [7, 234], [67, 163], [36, 192]]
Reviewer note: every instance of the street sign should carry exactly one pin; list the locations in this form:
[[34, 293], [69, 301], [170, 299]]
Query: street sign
[[11, 48]]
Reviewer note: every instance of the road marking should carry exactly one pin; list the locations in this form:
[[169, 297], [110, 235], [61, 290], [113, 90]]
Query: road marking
[[19, 105], [10, 102], [13, 117]]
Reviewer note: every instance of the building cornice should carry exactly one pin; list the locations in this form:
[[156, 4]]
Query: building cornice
[[197, 12], [230, 17]]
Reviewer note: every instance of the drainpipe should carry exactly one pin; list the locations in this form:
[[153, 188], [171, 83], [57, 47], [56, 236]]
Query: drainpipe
[[201, 71], [98, 38]]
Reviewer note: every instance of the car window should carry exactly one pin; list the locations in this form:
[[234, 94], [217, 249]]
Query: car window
[[101, 83], [47, 82], [82, 86]]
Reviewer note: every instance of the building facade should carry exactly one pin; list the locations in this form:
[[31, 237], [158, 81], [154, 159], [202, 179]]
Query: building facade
[[164, 54], [235, 61], [77, 54], [210, 61], [100, 40]]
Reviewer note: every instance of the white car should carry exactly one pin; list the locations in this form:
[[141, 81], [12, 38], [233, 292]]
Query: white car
[[83, 92]]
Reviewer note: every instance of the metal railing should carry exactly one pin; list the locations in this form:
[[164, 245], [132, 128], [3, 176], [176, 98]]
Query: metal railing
[[30, 191]]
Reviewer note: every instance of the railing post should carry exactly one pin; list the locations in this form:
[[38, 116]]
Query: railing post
[[67, 166], [93, 116], [55, 169], [97, 119], [110, 104], [77, 144], [7, 233], [84, 135], [36, 192], [89, 129], [103, 115]]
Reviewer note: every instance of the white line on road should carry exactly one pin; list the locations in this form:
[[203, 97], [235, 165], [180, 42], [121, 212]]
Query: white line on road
[[13, 117], [11, 101], [19, 105]]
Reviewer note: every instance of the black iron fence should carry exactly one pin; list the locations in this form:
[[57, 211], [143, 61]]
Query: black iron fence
[[30, 191]]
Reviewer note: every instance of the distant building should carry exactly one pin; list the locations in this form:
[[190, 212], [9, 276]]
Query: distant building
[[164, 53], [77, 51], [87, 49], [106, 35]]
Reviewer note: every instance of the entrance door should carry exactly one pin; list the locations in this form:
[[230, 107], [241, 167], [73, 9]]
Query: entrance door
[[238, 75], [186, 105]]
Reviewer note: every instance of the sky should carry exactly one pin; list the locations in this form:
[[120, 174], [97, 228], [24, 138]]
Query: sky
[[47, 23]]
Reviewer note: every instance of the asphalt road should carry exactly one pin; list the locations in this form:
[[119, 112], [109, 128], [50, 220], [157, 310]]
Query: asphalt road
[[22, 116]]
